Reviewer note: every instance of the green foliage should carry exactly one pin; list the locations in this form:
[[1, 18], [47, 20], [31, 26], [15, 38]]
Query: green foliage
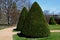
[[54, 27], [35, 24], [52, 21], [22, 18]]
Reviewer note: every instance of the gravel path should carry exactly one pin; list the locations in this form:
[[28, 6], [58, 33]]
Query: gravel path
[[54, 30], [7, 34]]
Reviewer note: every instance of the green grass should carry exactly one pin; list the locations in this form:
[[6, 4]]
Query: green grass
[[4, 26], [53, 36], [54, 27], [1, 28]]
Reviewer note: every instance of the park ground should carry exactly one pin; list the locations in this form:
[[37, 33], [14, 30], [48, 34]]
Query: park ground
[[8, 34]]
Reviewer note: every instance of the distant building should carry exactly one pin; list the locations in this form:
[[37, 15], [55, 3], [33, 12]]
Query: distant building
[[57, 18], [55, 15]]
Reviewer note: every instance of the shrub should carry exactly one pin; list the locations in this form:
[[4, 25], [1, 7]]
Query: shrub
[[52, 21], [22, 19], [35, 24]]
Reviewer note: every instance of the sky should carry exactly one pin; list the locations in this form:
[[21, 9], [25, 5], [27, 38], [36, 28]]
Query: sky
[[51, 5]]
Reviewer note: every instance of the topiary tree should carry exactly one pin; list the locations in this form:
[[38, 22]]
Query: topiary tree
[[22, 19], [35, 24], [52, 21]]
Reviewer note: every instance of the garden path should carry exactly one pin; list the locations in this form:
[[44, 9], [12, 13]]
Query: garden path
[[54, 30], [6, 34]]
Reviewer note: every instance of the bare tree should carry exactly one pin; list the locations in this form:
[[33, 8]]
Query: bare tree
[[14, 13], [6, 8], [24, 3]]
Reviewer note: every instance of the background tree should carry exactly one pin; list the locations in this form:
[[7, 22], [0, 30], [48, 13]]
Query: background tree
[[0, 12], [24, 3], [3, 12], [6, 7], [14, 13], [52, 21]]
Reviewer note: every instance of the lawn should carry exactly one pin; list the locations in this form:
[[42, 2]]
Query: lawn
[[54, 27], [1, 28], [4, 26], [53, 36]]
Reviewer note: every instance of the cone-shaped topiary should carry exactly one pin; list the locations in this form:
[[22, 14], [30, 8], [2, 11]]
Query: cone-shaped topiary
[[22, 19], [35, 24], [52, 21]]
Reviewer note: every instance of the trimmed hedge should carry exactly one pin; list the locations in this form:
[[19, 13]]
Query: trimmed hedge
[[22, 19], [52, 21], [35, 24]]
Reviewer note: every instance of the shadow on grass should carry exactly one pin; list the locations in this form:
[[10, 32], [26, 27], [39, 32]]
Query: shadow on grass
[[15, 30], [22, 35]]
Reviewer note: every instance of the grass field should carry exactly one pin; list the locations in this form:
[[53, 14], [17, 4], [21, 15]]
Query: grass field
[[53, 36], [54, 27], [4, 26], [1, 28]]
